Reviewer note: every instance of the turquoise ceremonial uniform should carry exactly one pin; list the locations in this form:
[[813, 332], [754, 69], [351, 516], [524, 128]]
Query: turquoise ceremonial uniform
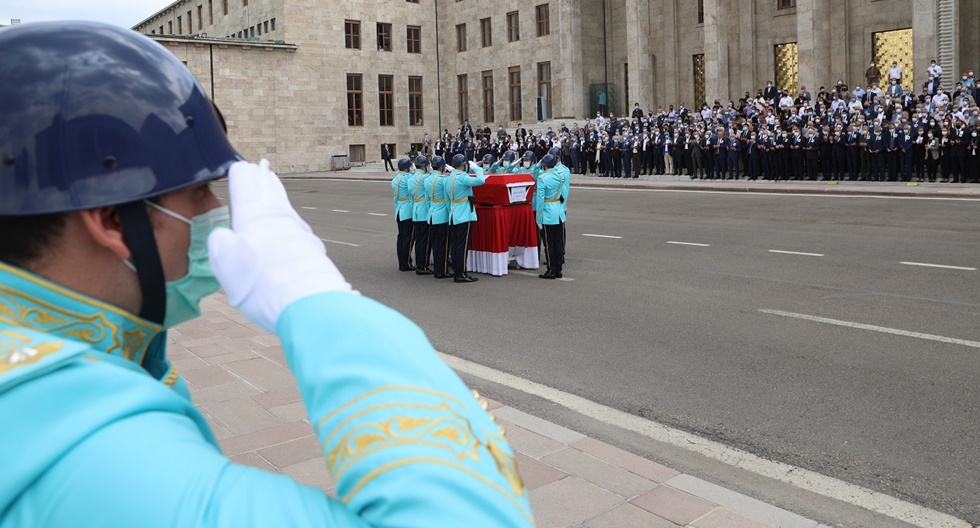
[[547, 198], [438, 204], [402, 195], [439, 223], [99, 429], [459, 190], [566, 186], [418, 185]]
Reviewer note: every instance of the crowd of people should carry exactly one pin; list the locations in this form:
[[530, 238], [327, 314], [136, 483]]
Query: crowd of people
[[870, 133]]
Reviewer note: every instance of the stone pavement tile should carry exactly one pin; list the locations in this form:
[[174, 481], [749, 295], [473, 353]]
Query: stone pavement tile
[[312, 472], [570, 502], [240, 355], [242, 415], [624, 459], [220, 393], [675, 506], [531, 444], [293, 452], [724, 518], [207, 350], [209, 377], [274, 354], [279, 397], [536, 474], [537, 425], [744, 505], [196, 330], [602, 474], [630, 516], [219, 430], [191, 343], [238, 343], [266, 340], [254, 460], [266, 437], [188, 364], [175, 352], [238, 331], [291, 412], [262, 373]]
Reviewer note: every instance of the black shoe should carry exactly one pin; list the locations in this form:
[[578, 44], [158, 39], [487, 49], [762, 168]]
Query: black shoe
[[407, 268], [464, 279], [426, 271], [547, 275], [558, 275], [442, 276]]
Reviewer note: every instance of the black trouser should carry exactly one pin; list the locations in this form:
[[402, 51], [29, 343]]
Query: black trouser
[[404, 244], [905, 162], [932, 164], [709, 165], [459, 243], [388, 164], [754, 166], [812, 160], [877, 166], [554, 246], [439, 240], [421, 237], [840, 165], [959, 165], [592, 163], [854, 163]]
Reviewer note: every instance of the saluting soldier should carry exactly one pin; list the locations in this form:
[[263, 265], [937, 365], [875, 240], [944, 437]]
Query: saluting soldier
[[550, 213], [439, 218], [418, 182], [404, 206], [462, 212]]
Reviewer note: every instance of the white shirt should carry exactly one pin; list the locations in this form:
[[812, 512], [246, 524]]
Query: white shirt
[[786, 102], [895, 72], [935, 70]]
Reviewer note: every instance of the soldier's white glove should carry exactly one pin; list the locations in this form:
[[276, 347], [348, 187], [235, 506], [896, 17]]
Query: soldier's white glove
[[270, 258], [473, 165]]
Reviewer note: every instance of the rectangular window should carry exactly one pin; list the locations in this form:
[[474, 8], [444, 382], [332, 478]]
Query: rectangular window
[[486, 33], [785, 4], [384, 37], [544, 90], [488, 100], [251, 32], [355, 153], [386, 100], [352, 34], [200, 18], [700, 83], [210, 12], [414, 39], [412, 1], [461, 37], [355, 100], [700, 11], [787, 61], [462, 85], [245, 3], [513, 26], [180, 26], [161, 29], [273, 24], [190, 23], [415, 117], [266, 26], [224, 7], [516, 110], [543, 16]]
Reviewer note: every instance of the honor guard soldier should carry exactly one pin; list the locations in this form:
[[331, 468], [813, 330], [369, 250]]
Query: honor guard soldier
[[505, 164], [566, 179], [462, 212], [439, 219], [487, 163], [404, 207], [551, 214], [110, 235], [417, 183]]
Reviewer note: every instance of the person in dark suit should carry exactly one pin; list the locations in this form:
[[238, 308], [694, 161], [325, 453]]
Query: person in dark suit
[[877, 145], [770, 92], [386, 156], [905, 153]]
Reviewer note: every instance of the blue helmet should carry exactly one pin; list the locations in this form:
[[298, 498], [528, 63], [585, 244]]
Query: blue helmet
[[489, 159], [404, 164], [529, 156], [549, 161], [510, 155], [97, 115], [438, 163], [556, 152], [421, 161], [459, 160]]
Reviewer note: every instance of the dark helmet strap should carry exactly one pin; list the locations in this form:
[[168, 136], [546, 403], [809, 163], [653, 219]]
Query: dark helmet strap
[[138, 233]]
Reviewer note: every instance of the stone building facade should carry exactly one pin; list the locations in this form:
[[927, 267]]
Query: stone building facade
[[303, 80]]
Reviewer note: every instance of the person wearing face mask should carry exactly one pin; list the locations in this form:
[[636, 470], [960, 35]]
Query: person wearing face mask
[[945, 154], [905, 142], [919, 153], [104, 252], [933, 153], [973, 157], [959, 141], [404, 208], [872, 75], [770, 93]]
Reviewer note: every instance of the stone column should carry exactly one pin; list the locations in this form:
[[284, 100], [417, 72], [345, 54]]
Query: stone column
[[744, 78], [813, 35], [638, 53], [839, 49], [671, 92], [568, 85], [925, 37], [717, 35]]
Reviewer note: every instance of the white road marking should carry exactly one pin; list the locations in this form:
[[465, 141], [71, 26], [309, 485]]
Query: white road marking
[[310, 208], [796, 476], [602, 236], [532, 274], [688, 244], [377, 214], [775, 194], [340, 211], [795, 253], [924, 265], [882, 329], [339, 242]]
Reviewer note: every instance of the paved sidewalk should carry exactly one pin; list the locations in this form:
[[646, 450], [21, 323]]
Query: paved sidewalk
[[238, 377], [374, 171]]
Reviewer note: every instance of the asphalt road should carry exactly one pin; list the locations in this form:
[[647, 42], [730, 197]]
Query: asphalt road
[[676, 333]]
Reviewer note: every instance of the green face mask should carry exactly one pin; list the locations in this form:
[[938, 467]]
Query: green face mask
[[184, 295]]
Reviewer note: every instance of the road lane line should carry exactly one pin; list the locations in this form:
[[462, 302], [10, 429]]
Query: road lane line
[[801, 478], [310, 208], [882, 329], [924, 265], [602, 236], [377, 214], [339, 211], [772, 194], [532, 274], [687, 244], [339, 242], [795, 253]]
